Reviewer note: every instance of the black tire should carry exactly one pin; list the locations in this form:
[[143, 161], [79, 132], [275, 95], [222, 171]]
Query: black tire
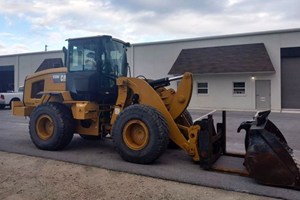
[[51, 126], [134, 120], [90, 137], [185, 119], [14, 99], [2, 106]]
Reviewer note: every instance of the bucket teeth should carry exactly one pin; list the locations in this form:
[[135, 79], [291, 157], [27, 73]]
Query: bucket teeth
[[297, 162], [291, 152]]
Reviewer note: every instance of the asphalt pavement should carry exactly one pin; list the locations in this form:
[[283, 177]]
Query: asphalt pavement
[[172, 165]]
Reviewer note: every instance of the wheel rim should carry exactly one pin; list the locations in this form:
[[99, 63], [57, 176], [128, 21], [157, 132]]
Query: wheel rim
[[136, 135], [44, 127]]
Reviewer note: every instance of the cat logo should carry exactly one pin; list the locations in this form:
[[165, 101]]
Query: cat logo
[[59, 78]]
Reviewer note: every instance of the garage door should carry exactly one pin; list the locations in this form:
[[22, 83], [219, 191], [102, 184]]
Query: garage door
[[7, 78], [290, 82]]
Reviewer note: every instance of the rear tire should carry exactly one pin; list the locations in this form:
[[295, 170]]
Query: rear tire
[[51, 126], [2, 107], [140, 134]]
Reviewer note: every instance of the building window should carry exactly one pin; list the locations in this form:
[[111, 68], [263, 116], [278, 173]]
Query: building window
[[239, 88], [202, 88]]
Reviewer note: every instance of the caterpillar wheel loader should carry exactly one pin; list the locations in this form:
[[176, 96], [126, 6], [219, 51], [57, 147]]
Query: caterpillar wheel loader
[[93, 97]]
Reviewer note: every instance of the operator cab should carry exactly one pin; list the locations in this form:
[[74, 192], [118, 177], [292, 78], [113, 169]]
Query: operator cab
[[94, 64]]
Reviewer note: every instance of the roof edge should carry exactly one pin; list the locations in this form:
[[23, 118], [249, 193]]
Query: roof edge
[[267, 32], [31, 53], [231, 73]]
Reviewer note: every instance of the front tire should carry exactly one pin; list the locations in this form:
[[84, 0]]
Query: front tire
[[51, 126], [140, 134]]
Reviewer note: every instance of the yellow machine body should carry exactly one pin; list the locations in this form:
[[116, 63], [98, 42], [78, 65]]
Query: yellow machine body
[[94, 98], [170, 103]]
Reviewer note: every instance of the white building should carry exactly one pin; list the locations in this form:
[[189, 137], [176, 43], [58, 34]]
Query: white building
[[14, 68], [242, 89], [241, 72]]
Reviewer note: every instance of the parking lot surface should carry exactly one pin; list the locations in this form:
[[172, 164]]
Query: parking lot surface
[[174, 165]]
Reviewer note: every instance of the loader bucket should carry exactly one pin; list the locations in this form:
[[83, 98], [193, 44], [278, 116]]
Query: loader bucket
[[269, 159]]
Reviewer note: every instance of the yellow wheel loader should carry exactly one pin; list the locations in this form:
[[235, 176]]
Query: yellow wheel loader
[[93, 97]]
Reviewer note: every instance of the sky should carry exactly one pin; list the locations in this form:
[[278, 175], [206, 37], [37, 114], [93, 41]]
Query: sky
[[27, 26]]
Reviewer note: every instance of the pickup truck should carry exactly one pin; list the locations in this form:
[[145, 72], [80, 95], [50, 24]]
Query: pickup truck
[[6, 98]]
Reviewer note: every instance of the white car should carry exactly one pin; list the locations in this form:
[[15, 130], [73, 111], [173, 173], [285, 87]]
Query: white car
[[6, 98]]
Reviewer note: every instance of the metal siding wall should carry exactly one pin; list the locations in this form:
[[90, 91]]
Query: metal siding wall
[[29, 63], [25, 64], [156, 59]]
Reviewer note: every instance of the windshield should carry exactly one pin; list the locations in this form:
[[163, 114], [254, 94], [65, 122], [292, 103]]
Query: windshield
[[114, 60], [99, 54]]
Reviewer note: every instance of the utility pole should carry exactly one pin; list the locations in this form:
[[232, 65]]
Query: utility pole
[[46, 47]]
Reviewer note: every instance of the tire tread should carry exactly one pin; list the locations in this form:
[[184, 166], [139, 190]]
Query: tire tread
[[139, 110], [65, 130]]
